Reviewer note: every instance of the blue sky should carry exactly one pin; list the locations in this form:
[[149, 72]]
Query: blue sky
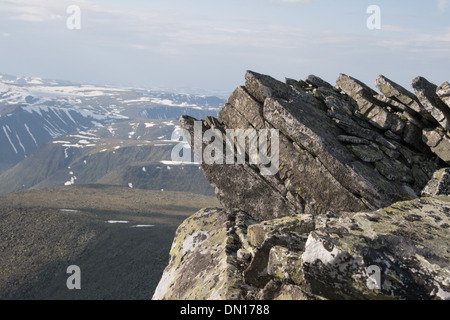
[[209, 44]]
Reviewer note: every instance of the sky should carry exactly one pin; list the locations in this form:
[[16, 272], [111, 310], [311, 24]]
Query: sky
[[209, 44]]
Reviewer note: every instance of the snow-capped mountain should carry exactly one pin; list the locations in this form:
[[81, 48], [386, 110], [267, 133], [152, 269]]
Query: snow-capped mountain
[[35, 111]]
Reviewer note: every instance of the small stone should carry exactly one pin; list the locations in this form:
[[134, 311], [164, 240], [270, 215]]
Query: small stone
[[389, 134], [353, 139], [244, 255], [366, 153], [318, 82], [394, 170], [381, 140], [390, 153], [432, 137], [353, 87]]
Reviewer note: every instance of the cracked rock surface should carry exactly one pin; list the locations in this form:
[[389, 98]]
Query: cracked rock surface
[[358, 207]]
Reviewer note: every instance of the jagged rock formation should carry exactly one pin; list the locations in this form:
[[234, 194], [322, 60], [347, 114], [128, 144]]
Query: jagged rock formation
[[220, 254], [343, 203], [338, 151]]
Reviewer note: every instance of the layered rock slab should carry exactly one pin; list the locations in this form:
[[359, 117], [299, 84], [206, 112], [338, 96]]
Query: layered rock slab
[[427, 94], [335, 151]]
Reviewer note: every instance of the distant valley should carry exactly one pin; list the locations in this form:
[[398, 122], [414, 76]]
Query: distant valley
[[55, 133], [86, 179], [118, 236]]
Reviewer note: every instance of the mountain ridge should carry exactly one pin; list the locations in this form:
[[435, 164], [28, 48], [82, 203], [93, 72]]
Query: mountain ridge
[[46, 125], [34, 111]]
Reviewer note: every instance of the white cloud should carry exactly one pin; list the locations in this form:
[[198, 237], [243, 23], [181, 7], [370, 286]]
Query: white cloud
[[395, 28], [165, 40], [37, 11], [443, 37], [31, 12], [442, 5], [30, 17], [436, 45]]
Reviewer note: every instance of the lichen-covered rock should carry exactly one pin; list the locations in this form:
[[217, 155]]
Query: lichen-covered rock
[[367, 153], [259, 232], [390, 89], [439, 184], [439, 142], [406, 244], [202, 259], [242, 186], [288, 232], [444, 93], [375, 111], [398, 252], [285, 265], [262, 86], [340, 217]]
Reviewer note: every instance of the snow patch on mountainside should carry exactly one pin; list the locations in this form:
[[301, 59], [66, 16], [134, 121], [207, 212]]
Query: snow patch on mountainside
[[9, 139]]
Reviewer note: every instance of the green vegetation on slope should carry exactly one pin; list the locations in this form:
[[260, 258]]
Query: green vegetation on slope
[[42, 232], [111, 162]]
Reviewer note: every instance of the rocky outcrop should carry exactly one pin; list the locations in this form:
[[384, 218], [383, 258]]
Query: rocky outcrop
[[399, 252], [356, 208], [338, 151]]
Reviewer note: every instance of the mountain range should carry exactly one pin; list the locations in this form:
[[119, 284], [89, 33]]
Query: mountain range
[[86, 179], [55, 133]]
